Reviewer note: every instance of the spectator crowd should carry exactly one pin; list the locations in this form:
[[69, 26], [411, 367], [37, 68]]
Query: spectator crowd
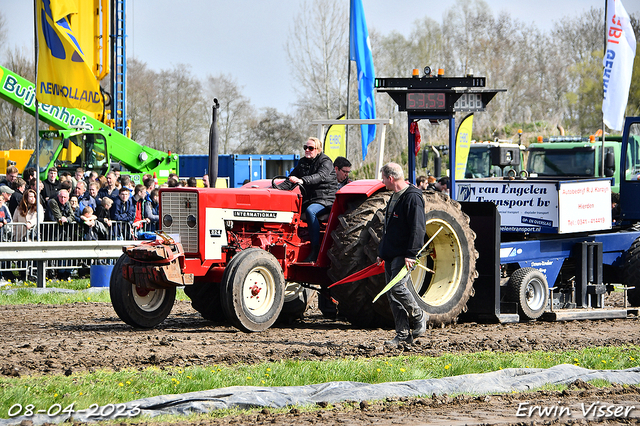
[[88, 206], [82, 206]]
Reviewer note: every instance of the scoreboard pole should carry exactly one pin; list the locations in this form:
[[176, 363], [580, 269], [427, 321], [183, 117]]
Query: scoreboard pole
[[436, 99]]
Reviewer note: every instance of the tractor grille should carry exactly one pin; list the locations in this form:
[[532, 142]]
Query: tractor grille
[[181, 205]]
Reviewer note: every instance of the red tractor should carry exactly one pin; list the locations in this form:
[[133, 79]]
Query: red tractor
[[239, 253]]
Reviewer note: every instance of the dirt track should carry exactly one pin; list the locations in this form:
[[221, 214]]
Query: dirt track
[[48, 339]]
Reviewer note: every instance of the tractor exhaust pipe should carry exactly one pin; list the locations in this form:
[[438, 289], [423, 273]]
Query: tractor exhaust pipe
[[213, 145]]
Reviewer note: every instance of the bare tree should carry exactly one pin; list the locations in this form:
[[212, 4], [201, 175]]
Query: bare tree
[[317, 49], [174, 112], [142, 102], [235, 109], [275, 132], [3, 31], [15, 124]]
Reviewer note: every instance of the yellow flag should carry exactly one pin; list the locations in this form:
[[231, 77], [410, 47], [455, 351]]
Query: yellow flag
[[463, 144], [64, 77], [334, 140]]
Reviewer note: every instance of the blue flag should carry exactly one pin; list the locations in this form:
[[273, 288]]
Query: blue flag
[[360, 51]]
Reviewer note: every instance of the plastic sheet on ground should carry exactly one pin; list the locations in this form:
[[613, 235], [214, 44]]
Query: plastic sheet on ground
[[243, 397]]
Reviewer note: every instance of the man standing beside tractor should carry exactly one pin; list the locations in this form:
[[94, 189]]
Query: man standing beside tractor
[[404, 230]]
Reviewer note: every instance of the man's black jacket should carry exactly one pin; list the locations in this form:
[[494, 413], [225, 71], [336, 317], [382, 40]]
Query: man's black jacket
[[405, 230]]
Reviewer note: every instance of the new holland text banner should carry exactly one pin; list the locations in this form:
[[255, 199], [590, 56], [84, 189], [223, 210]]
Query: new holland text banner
[[64, 77]]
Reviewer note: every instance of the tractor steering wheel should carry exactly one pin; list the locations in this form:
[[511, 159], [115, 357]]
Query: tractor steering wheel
[[289, 184], [286, 178]]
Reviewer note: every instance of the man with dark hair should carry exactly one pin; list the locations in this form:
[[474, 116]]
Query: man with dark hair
[[10, 178], [51, 184], [92, 176], [29, 173], [404, 232], [149, 183], [192, 182], [139, 202], [343, 168], [126, 182], [151, 209], [110, 190], [16, 197], [421, 182], [443, 184], [123, 211]]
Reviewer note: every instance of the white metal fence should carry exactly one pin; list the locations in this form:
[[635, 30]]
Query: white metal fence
[[62, 248]]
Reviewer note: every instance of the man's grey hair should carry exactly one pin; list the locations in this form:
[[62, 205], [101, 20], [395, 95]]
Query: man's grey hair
[[393, 170]]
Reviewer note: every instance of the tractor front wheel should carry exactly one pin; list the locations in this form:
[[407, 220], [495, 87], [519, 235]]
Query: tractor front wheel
[[252, 290], [138, 307]]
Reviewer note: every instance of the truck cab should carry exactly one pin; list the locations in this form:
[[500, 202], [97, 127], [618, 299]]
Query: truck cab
[[494, 159], [575, 156]]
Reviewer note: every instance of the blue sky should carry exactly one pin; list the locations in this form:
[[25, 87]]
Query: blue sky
[[245, 38]]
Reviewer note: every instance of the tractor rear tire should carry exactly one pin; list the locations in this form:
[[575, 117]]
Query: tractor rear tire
[[252, 290], [631, 273], [347, 256], [451, 257], [205, 298], [528, 287], [140, 308]]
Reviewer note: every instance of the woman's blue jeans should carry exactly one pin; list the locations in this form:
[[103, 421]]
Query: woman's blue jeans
[[313, 211]]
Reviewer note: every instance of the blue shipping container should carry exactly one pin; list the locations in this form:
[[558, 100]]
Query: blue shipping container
[[237, 168]]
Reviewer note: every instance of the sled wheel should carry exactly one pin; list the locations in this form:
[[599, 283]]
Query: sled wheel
[[252, 290], [205, 298], [528, 287], [138, 307], [297, 300], [631, 273]]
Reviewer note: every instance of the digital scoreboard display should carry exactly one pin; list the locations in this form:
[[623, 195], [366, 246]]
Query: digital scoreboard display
[[435, 101]]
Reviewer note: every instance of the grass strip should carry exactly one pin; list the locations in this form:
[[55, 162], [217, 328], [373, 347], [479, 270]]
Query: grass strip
[[108, 387], [24, 295]]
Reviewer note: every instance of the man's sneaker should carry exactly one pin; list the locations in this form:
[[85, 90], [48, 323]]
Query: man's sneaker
[[398, 340], [421, 327]]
